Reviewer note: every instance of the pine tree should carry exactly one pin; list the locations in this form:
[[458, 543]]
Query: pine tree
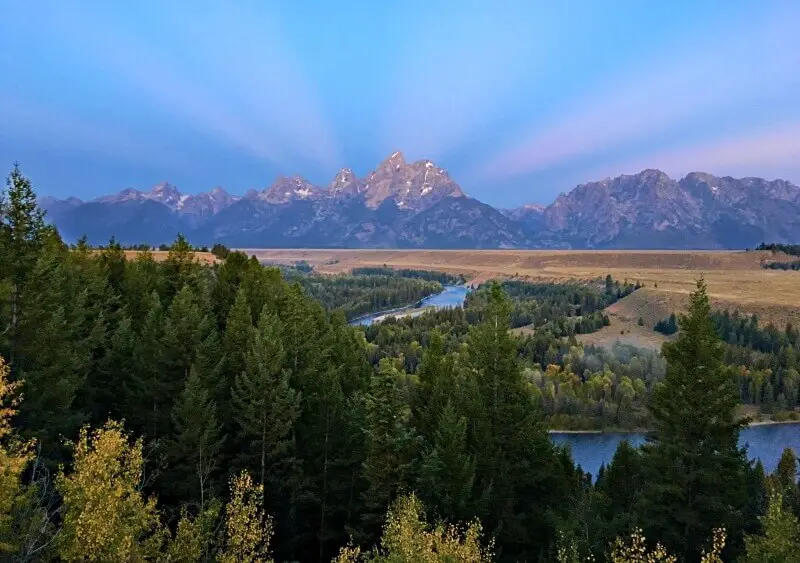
[[785, 480], [447, 473], [330, 437], [437, 387], [22, 230], [389, 447], [195, 447], [695, 473], [111, 394], [209, 364], [146, 398], [619, 486], [235, 342], [515, 459], [180, 264], [54, 351], [266, 408]]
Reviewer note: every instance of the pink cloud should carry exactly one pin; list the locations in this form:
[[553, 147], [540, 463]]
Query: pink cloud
[[715, 76], [769, 153]]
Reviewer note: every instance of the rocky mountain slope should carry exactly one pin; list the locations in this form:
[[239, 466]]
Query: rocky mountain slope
[[651, 210], [418, 205], [399, 204]]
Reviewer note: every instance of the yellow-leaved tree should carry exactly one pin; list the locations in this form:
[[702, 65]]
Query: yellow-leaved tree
[[106, 517], [15, 454], [408, 538], [248, 530], [635, 550]]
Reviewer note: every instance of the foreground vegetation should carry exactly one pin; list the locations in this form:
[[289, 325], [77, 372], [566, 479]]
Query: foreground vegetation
[[175, 411]]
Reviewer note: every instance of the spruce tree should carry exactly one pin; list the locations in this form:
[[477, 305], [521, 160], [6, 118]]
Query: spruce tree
[[235, 342], [519, 490], [330, 437], [265, 405], [437, 387], [785, 480], [22, 230], [266, 408], [54, 352], [146, 400], [195, 446], [389, 447], [180, 264], [619, 487], [695, 472], [447, 472]]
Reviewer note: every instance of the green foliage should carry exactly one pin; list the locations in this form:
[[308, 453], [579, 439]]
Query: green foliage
[[388, 447], [792, 249], [564, 309], [357, 295], [429, 275], [695, 473], [780, 540], [194, 449], [230, 367], [220, 251], [667, 326]]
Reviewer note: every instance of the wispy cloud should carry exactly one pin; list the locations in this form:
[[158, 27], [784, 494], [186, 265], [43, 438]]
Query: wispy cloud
[[713, 77], [442, 87], [252, 59], [234, 80], [770, 153], [46, 127]]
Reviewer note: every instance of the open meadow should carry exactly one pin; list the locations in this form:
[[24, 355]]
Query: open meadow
[[735, 279]]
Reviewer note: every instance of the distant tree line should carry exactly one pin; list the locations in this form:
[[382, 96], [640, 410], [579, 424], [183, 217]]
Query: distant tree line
[[793, 249], [566, 308], [763, 360], [794, 265], [429, 275], [218, 250]]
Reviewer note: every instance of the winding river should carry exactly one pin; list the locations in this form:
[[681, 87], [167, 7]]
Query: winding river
[[450, 296], [591, 450]]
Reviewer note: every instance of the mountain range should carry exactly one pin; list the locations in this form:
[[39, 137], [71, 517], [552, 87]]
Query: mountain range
[[418, 205]]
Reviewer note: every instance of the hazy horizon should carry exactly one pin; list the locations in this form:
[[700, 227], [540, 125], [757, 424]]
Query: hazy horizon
[[519, 104]]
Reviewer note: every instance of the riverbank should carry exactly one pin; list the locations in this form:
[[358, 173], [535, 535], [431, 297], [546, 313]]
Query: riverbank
[[613, 430], [449, 296]]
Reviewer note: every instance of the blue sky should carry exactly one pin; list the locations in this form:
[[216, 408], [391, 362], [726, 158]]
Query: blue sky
[[519, 100]]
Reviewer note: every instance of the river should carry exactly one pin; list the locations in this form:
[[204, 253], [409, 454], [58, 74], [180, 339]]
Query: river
[[765, 442], [450, 296]]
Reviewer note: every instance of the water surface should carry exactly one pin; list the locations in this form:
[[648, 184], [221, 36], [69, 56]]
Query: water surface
[[450, 296], [765, 442]]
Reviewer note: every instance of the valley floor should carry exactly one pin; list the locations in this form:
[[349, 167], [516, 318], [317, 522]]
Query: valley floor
[[735, 279]]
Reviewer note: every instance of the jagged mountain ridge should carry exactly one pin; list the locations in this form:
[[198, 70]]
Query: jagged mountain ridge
[[399, 204], [418, 205], [651, 210]]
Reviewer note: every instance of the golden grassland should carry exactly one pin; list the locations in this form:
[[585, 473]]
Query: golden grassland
[[161, 255], [735, 279]]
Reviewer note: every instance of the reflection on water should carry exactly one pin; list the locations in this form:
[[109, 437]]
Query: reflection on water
[[451, 296], [765, 442]]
